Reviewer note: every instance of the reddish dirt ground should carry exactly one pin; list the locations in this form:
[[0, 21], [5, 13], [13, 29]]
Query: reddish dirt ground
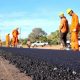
[[10, 72], [57, 47]]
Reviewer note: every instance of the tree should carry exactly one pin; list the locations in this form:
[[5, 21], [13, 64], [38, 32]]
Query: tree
[[24, 41], [54, 37], [36, 34], [43, 39]]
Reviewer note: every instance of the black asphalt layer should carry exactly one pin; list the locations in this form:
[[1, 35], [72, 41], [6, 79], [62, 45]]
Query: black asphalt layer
[[45, 64]]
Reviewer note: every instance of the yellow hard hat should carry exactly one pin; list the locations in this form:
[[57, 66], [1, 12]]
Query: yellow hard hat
[[69, 10], [61, 14]]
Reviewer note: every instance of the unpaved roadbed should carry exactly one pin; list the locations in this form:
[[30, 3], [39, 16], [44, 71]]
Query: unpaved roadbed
[[10, 72]]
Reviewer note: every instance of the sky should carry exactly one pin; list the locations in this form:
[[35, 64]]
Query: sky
[[29, 14]]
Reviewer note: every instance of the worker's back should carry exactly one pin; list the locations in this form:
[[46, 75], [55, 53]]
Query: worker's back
[[15, 33], [75, 23], [7, 38], [64, 24]]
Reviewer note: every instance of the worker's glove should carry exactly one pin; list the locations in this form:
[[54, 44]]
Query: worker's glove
[[74, 30]]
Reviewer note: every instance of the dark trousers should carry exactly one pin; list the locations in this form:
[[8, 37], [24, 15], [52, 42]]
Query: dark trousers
[[63, 38]]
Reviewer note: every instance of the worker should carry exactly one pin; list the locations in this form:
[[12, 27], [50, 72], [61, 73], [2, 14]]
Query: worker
[[15, 40], [8, 40], [28, 43], [74, 29], [63, 29], [0, 43]]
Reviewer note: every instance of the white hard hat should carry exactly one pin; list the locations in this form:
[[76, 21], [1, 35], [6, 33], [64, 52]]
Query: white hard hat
[[61, 14]]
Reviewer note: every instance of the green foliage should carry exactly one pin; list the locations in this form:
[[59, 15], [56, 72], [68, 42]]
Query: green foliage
[[4, 43], [24, 41], [37, 34], [43, 39], [54, 38]]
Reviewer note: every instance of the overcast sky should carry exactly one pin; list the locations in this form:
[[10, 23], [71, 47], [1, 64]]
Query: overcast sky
[[28, 14]]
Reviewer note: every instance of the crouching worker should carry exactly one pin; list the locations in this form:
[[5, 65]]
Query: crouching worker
[[28, 43], [63, 29]]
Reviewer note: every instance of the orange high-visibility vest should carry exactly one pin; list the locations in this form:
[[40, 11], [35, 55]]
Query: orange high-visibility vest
[[7, 40], [63, 25], [15, 33], [74, 34], [74, 23]]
